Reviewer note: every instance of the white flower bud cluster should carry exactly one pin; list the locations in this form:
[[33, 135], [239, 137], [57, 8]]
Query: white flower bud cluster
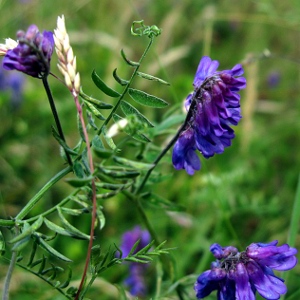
[[66, 59], [9, 44]]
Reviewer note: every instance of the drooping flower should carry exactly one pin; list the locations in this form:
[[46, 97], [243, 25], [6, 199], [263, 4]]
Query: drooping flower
[[238, 275], [136, 279], [212, 108], [32, 53]]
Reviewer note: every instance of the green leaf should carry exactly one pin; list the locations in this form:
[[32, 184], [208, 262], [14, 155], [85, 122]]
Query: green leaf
[[118, 79], [94, 110], [80, 128], [134, 164], [103, 87], [62, 142], [119, 174], [28, 230], [51, 250], [73, 230], [99, 104], [2, 244], [167, 123], [113, 186], [99, 149], [146, 99], [129, 62], [57, 228], [67, 282], [18, 246], [153, 78], [73, 211], [159, 201], [79, 182], [109, 140], [78, 169], [100, 217], [137, 135], [129, 110]]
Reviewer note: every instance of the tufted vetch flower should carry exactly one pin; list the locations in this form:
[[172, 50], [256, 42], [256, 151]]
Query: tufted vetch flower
[[239, 275], [31, 54], [213, 108]]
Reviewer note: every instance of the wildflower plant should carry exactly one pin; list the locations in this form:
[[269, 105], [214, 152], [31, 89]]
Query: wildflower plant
[[97, 170]]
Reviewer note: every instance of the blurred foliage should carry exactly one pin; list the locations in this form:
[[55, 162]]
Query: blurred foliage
[[244, 195]]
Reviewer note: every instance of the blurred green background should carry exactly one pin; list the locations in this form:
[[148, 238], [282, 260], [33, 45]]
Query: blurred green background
[[242, 196]]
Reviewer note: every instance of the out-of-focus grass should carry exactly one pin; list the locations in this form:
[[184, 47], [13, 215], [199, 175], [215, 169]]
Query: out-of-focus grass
[[242, 196]]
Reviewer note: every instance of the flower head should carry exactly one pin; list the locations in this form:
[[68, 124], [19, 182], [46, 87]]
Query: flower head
[[212, 108], [136, 280], [31, 54], [66, 59], [238, 275]]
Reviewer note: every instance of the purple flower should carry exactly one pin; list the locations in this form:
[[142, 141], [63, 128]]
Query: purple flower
[[33, 53], [135, 281], [238, 275], [212, 108]]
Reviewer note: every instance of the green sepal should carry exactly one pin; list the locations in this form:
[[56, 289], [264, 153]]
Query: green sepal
[[103, 87], [28, 230], [153, 78], [146, 99], [57, 228], [79, 182], [119, 80], [133, 164], [62, 142], [136, 135], [129, 62], [51, 250], [129, 110], [94, 110], [73, 230]]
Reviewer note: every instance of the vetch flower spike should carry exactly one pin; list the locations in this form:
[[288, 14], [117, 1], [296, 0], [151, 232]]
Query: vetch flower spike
[[212, 108], [31, 54], [66, 58], [238, 275]]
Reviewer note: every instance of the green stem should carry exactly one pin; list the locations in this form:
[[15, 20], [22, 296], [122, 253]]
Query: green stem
[[8, 277], [55, 115], [126, 87], [28, 207]]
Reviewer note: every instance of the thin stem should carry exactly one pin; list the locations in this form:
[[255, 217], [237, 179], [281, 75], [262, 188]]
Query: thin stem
[[126, 87], [94, 200], [8, 277], [55, 115], [170, 144], [28, 207]]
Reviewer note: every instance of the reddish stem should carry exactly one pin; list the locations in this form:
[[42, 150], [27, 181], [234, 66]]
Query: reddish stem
[[94, 209]]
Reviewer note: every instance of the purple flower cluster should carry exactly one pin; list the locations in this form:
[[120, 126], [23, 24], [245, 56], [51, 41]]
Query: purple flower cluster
[[135, 281], [238, 275], [212, 108], [33, 53]]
